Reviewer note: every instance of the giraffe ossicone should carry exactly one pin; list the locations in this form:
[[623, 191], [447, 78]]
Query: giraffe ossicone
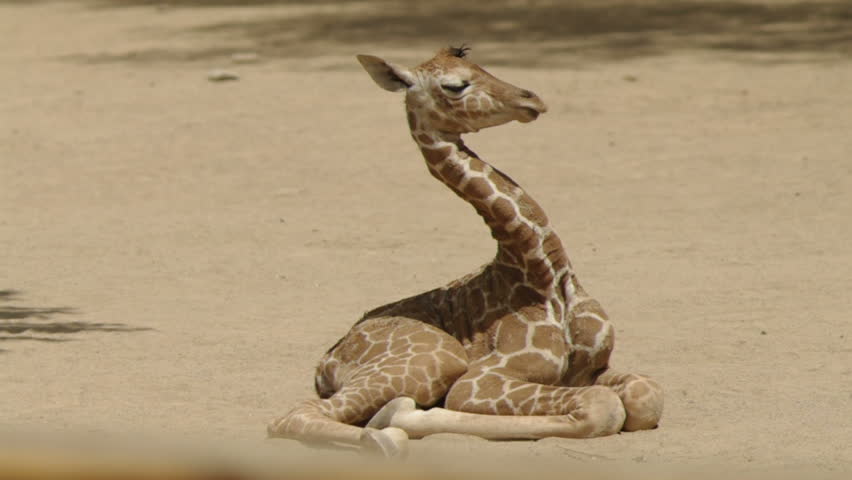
[[517, 349]]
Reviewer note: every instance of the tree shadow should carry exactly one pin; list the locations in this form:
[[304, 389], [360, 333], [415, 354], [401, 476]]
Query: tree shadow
[[16, 320], [518, 32]]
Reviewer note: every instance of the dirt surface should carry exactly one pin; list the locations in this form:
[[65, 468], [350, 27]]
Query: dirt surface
[[176, 254]]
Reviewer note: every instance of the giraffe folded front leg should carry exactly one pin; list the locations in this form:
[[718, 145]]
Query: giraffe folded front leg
[[562, 412], [642, 398], [597, 411]]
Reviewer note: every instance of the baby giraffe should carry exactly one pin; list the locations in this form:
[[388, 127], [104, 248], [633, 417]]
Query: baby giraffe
[[514, 350]]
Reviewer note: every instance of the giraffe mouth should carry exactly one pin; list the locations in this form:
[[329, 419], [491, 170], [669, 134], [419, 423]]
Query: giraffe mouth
[[528, 114]]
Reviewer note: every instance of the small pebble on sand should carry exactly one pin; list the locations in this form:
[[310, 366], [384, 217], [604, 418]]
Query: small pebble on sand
[[221, 76]]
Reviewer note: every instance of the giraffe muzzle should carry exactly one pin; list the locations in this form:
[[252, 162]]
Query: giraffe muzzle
[[528, 114], [530, 107]]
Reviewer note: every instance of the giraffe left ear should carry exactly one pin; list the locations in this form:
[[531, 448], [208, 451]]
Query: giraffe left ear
[[386, 75]]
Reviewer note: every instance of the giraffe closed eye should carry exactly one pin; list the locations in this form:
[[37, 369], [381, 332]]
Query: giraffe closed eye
[[456, 88]]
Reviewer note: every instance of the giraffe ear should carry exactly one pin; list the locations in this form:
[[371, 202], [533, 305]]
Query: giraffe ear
[[387, 75]]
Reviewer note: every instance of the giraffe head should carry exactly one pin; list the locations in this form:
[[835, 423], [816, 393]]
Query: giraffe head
[[451, 95]]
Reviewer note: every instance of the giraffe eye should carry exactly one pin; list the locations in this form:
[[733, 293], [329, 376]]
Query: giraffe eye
[[456, 88]]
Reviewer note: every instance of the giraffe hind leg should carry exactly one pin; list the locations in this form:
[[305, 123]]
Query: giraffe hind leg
[[310, 422], [386, 358]]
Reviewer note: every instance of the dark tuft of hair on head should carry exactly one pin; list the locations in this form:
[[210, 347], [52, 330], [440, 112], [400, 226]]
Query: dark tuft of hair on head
[[459, 52]]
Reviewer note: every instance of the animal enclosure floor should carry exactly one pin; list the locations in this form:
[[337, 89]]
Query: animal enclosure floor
[[176, 254]]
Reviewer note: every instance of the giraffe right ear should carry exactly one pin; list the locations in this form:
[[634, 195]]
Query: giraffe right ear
[[386, 75]]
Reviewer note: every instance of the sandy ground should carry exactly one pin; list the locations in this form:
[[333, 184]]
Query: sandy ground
[[176, 254]]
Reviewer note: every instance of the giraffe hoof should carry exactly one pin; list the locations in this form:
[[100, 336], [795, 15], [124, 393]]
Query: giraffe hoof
[[273, 428], [388, 442], [384, 417]]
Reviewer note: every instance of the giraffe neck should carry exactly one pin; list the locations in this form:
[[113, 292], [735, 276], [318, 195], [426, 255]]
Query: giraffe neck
[[524, 236]]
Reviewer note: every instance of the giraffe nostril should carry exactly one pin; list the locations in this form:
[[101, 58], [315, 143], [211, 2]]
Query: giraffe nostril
[[527, 94]]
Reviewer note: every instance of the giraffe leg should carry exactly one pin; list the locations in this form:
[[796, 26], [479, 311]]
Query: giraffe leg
[[491, 404], [511, 394], [314, 421], [377, 361], [594, 338], [596, 411], [330, 421], [642, 398]]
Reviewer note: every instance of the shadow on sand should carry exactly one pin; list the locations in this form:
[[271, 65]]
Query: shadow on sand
[[16, 320], [515, 32]]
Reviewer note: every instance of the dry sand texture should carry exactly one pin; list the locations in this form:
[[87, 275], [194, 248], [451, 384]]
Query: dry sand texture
[[176, 254]]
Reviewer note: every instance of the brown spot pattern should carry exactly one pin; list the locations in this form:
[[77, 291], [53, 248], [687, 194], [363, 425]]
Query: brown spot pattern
[[531, 210], [476, 303], [519, 395], [548, 336], [539, 273], [523, 296], [551, 244], [503, 210], [533, 367], [435, 156], [511, 274], [584, 330], [478, 188], [512, 335], [525, 238]]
